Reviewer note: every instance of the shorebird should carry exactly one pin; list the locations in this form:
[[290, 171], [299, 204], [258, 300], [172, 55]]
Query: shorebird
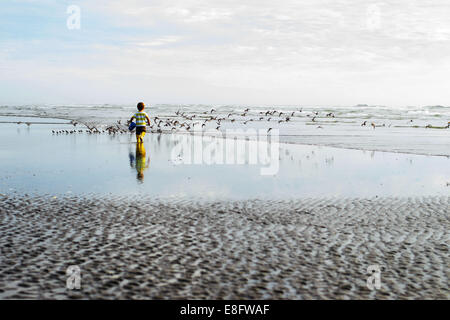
[[247, 110], [212, 110], [373, 125], [268, 130], [218, 128], [364, 123]]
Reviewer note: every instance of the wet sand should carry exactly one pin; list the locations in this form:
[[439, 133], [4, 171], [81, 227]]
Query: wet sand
[[302, 249], [326, 217], [36, 161]]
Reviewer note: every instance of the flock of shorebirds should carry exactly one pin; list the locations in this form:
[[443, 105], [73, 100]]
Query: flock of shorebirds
[[114, 129], [188, 122]]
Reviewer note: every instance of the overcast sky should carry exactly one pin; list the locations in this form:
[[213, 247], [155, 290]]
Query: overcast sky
[[313, 52]]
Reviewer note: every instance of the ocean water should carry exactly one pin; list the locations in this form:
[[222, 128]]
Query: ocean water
[[36, 161], [414, 130]]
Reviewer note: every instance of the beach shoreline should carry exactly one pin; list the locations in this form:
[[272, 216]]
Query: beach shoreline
[[413, 130]]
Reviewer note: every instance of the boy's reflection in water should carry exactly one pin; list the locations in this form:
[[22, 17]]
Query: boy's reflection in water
[[140, 162]]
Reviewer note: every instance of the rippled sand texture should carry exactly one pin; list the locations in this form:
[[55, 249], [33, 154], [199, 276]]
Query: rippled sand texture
[[305, 249]]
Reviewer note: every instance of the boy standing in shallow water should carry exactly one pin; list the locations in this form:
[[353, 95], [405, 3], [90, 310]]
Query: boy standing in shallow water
[[141, 120]]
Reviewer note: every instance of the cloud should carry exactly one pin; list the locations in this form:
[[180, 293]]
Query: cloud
[[159, 41], [252, 51]]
